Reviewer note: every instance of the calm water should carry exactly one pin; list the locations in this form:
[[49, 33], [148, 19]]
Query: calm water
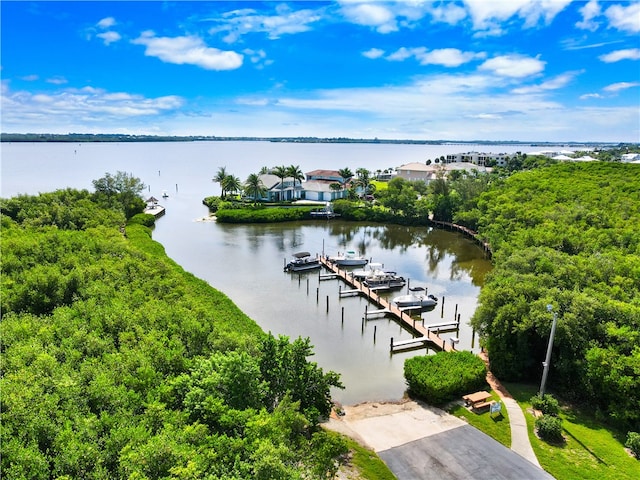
[[245, 261]]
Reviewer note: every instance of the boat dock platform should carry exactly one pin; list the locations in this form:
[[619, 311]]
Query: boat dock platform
[[425, 334]]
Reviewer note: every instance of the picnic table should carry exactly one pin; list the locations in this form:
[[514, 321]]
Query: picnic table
[[477, 399]]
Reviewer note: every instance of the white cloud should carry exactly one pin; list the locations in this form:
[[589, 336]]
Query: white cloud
[[590, 95], [89, 105], [616, 56], [373, 53], [488, 15], [616, 87], [624, 18], [373, 15], [57, 80], [285, 21], [30, 78], [107, 22], [188, 50], [516, 66], [449, 13], [589, 12], [555, 83], [109, 37], [448, 57]]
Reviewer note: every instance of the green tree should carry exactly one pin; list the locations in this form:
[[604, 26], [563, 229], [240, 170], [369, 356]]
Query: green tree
[[281, 172], [346, 174], [296, 174], [254, 187], [121, 189], [232, 184], [220, 177]]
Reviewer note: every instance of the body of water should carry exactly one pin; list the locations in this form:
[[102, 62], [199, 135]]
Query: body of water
[[246, 261]]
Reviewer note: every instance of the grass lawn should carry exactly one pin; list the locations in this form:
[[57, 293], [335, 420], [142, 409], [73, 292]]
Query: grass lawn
[[496, 427], [592, 451], [365, 464]]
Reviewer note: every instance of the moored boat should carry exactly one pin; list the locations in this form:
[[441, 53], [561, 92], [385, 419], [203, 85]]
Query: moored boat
[[384, 281], [301, 262], [415, 300], [349, 259]]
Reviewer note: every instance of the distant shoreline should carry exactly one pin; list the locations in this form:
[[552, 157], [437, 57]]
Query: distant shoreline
[[107, 137]]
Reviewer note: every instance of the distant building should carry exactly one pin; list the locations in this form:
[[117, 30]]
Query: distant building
[[428, 173], [630, 157], [479, 158]]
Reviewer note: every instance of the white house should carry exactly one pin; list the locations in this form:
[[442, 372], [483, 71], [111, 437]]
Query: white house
[[280, 190], [428, 173], [318, 186], [630, 157], [478, 158]]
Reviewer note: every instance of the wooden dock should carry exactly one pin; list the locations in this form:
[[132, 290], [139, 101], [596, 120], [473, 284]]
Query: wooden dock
[[423, 333]]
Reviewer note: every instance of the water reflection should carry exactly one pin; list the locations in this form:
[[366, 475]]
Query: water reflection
[[245, 262]]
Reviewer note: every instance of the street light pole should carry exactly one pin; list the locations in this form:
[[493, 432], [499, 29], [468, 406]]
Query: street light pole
[[547, 360]]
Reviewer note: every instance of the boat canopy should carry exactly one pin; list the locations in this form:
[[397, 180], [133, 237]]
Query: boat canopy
[[301, 254]]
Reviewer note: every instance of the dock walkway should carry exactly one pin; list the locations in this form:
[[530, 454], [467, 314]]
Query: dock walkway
[[404, 318]]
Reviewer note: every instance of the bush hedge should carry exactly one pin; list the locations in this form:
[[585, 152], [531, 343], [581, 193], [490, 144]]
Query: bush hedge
[[145, 219], [444, 376], [263, 215], [633, 442], [547, 404], [549, 428]]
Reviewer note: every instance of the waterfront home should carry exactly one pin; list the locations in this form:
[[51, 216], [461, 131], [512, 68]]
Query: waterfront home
[[428, 173], [280, 190]]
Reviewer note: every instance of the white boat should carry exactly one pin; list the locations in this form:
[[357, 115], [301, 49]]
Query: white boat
[[415, 300], [384, 281], [349, 259], [370, 269], [302, 261]]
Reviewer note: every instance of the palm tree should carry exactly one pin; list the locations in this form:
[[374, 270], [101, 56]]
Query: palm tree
[[264, 171], [364, 179], [232, 184], [281, 172], [346, 174], [254, 187], [294, 172], [219, 178]]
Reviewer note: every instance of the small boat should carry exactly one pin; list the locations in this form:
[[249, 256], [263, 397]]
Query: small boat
[[370, 269], [349, 259], [384, 281], [415, 300], [165, 194], [301, 262]]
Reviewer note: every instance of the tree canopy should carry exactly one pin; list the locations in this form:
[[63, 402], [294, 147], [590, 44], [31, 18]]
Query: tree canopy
[[119, 364], [566, 236]]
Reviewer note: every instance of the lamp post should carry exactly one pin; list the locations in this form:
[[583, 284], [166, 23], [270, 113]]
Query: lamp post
[[547, 360]]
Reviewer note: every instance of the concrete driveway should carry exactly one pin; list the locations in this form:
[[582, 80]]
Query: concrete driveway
[[419, 442]]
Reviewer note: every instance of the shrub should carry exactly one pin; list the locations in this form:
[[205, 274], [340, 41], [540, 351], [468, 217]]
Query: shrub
[[263, 215], [442, 377], [547, 404], [633, 442], [549, 428], [145, 219]]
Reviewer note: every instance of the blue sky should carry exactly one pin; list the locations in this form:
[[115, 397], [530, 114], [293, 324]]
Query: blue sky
[[528, 70]]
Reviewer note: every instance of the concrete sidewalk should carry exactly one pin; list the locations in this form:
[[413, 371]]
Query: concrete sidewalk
[[520, 442]]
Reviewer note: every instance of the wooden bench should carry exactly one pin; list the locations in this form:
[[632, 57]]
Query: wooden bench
[[480, 406]]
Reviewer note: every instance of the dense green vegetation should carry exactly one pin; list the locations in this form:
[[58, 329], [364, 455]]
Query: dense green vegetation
[[587, 452], [566, 236], [118, 364], [263, 215], [444, 376]]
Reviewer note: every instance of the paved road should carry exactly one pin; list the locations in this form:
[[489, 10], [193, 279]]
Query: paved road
[[419, 442], [458, 454]]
